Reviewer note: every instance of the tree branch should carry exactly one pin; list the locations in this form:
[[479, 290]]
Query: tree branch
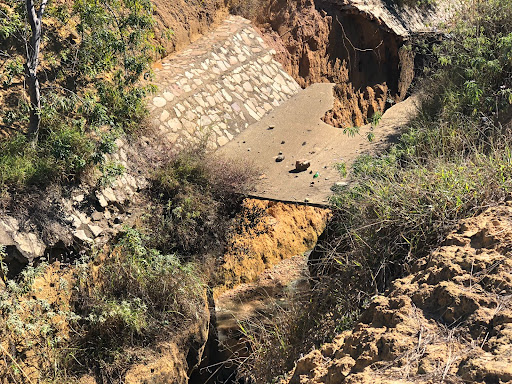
[[31, 14], [41, 9]]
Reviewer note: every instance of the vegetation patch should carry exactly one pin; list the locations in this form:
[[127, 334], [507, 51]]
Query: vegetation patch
[[93, 55], [34, 315], [200, 195], [135, 298], [96, 317]]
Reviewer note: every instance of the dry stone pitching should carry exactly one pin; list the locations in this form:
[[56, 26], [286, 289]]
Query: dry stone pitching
[[217, 87]]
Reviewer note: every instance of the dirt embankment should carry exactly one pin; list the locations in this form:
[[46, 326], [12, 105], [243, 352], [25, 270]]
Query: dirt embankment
[[178, 23], [266, 233], [319, 41], [449, 321]]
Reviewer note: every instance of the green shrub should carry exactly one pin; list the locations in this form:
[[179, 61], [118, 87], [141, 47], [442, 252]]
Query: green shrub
[[416, 3], [29, 321], [94, 53], [452, 161], [137, 298]]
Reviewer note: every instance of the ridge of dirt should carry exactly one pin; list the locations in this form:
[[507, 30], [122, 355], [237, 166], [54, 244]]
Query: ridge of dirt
[[178, 23], [449, 321], [355, 108]]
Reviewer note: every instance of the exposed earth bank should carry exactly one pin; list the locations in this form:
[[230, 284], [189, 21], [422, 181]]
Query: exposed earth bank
[[450, 320], [325, 41]]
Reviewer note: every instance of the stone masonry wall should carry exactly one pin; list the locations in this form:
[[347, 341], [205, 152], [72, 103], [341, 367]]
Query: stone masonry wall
[[217, 87]]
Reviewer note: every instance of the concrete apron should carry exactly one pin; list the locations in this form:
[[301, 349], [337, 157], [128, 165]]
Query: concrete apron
[[296, 130]]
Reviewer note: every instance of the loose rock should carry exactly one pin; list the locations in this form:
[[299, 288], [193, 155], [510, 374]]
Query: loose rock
[[302, 165]]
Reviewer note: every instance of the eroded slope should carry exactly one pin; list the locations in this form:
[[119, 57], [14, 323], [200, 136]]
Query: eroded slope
[[450, 320]]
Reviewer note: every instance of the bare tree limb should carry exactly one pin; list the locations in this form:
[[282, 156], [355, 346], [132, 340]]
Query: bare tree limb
[[33, 46], [41, 10]]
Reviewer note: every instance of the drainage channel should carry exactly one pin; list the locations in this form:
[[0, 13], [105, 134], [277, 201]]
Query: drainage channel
[[246, 308]]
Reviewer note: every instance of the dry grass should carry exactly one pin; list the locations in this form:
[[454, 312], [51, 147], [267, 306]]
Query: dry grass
[[200, 194]]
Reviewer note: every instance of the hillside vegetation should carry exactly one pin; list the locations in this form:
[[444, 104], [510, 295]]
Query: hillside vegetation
[[92, 58], [136, 308], [450, 163]]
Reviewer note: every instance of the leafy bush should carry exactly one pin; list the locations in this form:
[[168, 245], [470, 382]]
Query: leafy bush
[[95, 317], [137, 297], [31, 320], [450, 162], [200, 195], [93, 56]]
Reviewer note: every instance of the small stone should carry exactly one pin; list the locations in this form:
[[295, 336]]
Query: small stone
[[282, 142], [101, 199], [96, 216], [159, 102], [302, 165], [79, 198], [279, 158], [247, 87], [109, 194], [118, 220], [76, 222], [270, 127], [80, 234], [164, 116], [306, 200], [304, 143], [223, 140], [168, 96], [341, 184], [95, 230]]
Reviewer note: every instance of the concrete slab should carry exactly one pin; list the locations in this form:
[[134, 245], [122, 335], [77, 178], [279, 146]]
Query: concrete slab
[[296, 130]]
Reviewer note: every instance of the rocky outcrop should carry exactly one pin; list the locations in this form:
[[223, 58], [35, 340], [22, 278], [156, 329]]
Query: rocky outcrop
[[450, 320], [20, 246], [58, 223]]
